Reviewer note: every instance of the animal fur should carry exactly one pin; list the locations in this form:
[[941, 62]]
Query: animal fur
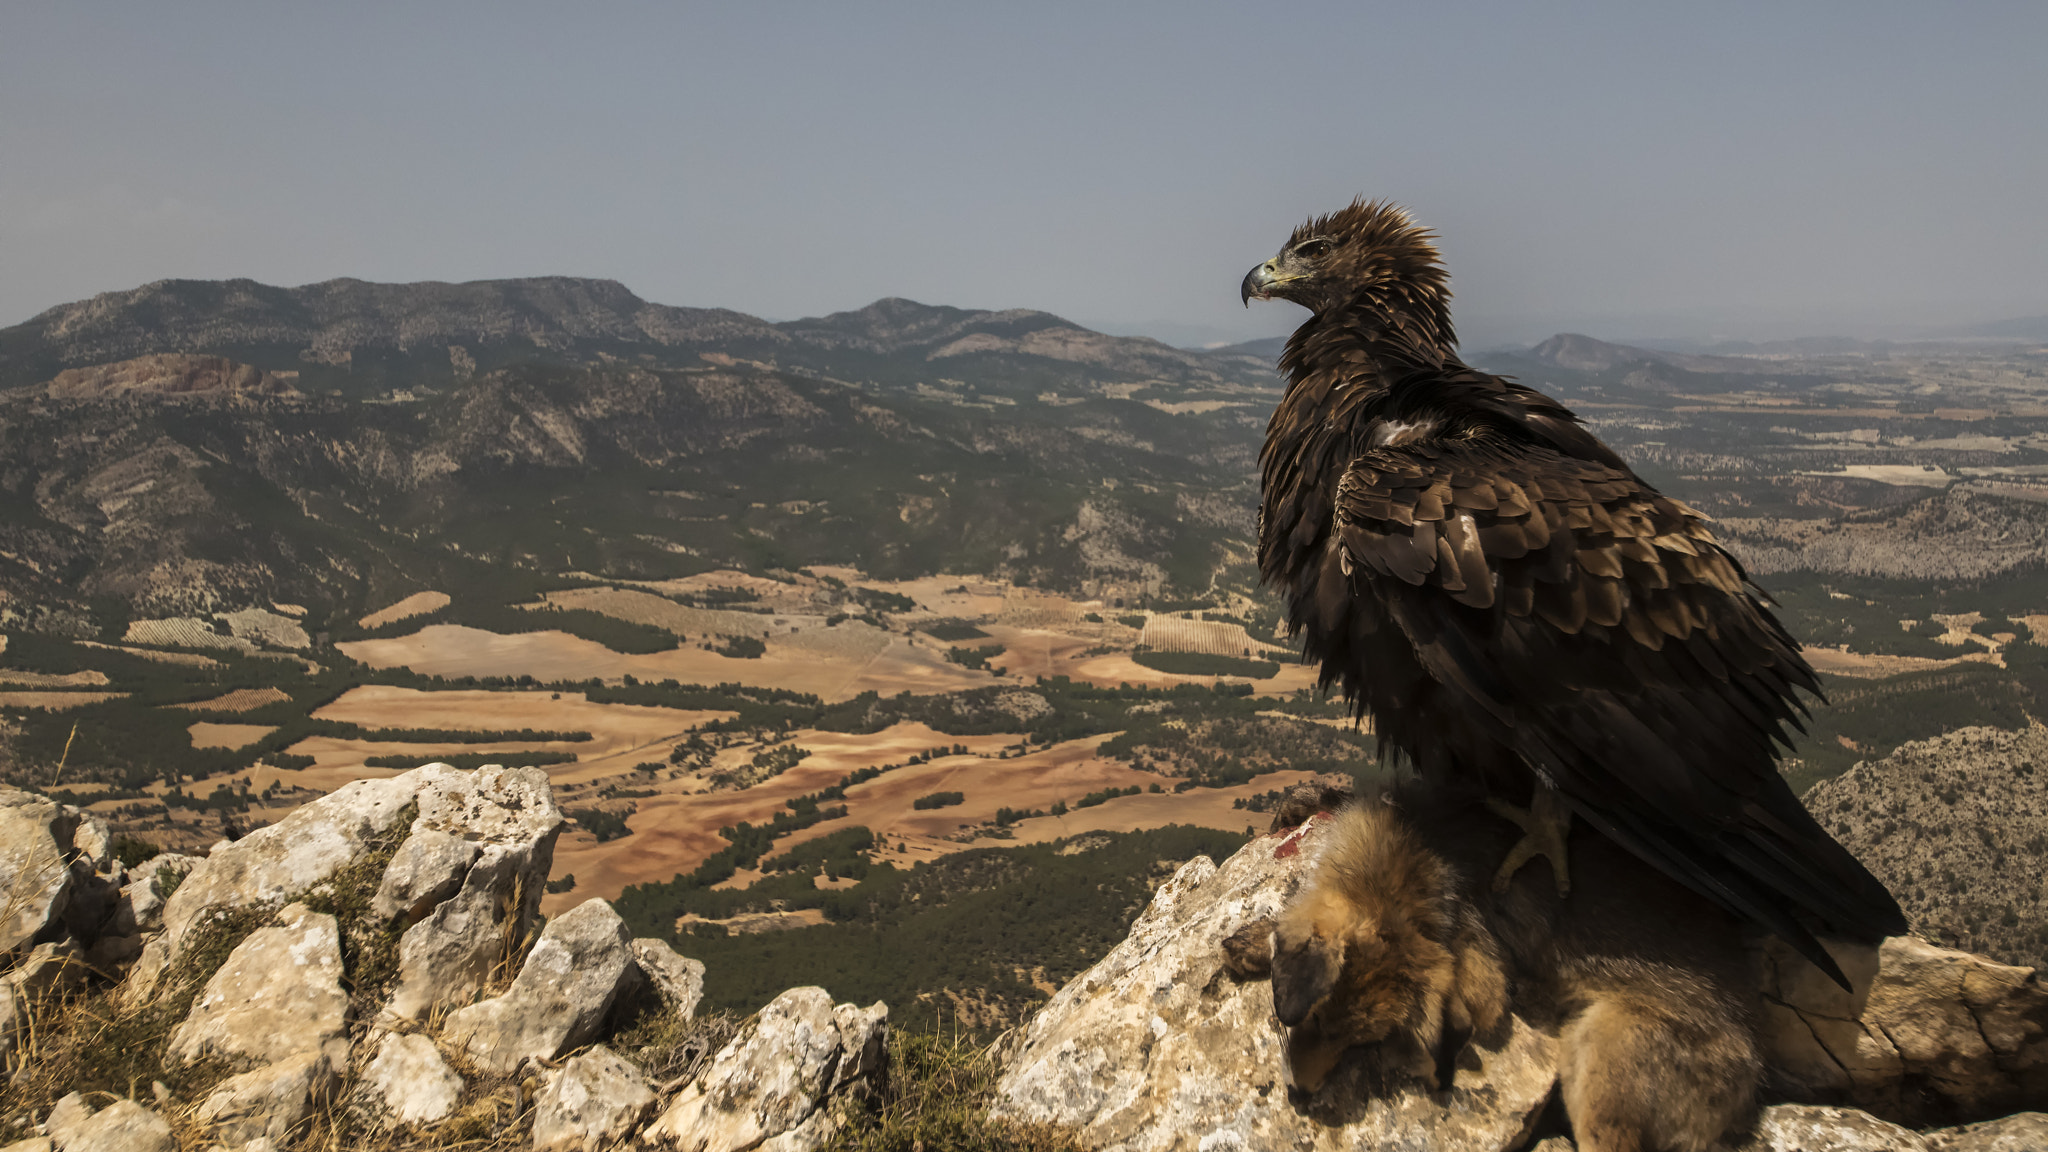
[[1381, 950], [1392, 947]]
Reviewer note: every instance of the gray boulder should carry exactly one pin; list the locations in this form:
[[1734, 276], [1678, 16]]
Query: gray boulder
[[277, 995], [123, 1126], [410, 1082], [1938, 1034], [268, 1103], [35, 866], [677, 981], [595, 1101], [776, 1084], [560, 997], [508, 815]]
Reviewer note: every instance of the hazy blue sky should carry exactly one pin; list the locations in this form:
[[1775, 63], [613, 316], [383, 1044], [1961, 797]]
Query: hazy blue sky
[[1626, 168]]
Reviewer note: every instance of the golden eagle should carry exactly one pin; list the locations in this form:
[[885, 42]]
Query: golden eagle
[[1517, 610]]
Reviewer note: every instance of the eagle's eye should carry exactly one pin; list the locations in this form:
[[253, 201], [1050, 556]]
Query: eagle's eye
[[1312, 249]]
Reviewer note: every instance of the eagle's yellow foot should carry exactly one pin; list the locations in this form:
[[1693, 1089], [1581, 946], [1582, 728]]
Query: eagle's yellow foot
[[1546, 824]]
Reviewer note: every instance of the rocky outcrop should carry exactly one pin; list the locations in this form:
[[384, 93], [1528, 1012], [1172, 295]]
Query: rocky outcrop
[[410, 1081], [274, 968], [567, 985], [167, 374], [1157, 1047], [595, 1101], [773, 1085], [371, 962]]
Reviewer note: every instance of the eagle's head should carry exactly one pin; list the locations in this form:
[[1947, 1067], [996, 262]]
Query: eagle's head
[[1372, 248]]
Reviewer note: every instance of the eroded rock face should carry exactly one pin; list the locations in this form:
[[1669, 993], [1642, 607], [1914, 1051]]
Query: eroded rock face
[[469, 906], [592, 1103], [560, 997], [468, 882], [1941, 1036], [1157, 1048], [277, 995], [770, 1087], [676, 980], [35, 869]]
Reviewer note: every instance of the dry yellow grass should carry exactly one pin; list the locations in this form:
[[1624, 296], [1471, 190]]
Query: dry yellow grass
[[454, 651], [417, 604], [206, 735], [1868, 666]]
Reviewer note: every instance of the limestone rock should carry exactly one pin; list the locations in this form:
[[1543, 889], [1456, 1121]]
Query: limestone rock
[[277, 995], [771, 1086], [1156, 1048], [677, 980], [510, 815], [560, 997], [289, 857], [2020, 1132], [123, 1126], [65, 1116], [427, 869], [35, 874], [140, 907], [268, 1102], [411, 1081], [1942, 1035], [466, 909], [1805, 1128], [592, 1103]]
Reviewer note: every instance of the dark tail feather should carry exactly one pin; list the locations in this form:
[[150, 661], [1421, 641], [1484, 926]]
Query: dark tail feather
[[1712, 878]]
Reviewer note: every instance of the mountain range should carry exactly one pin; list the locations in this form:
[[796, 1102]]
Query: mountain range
[[198, 445]]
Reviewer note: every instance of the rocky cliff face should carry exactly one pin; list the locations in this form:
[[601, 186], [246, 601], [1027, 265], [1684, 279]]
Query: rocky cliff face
[[371, 970]]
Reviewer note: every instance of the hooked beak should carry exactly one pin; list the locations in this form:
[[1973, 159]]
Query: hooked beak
[[1258, 282]]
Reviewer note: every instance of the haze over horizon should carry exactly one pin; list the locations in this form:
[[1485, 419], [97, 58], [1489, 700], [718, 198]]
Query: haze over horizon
[[1743, 171]]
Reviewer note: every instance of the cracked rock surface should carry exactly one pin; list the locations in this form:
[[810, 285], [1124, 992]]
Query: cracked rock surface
[[1156, 1049]]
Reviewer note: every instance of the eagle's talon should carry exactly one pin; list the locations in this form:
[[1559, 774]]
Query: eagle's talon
[[1546, 824]]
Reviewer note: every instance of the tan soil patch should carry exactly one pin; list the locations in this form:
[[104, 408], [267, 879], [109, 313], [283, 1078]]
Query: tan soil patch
[[240, 700], [86, 679], [757, 921], [452, 651], [54, 701], [417, 604], [205, 735], [621, 735], [674, 832], [1869, 666]]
